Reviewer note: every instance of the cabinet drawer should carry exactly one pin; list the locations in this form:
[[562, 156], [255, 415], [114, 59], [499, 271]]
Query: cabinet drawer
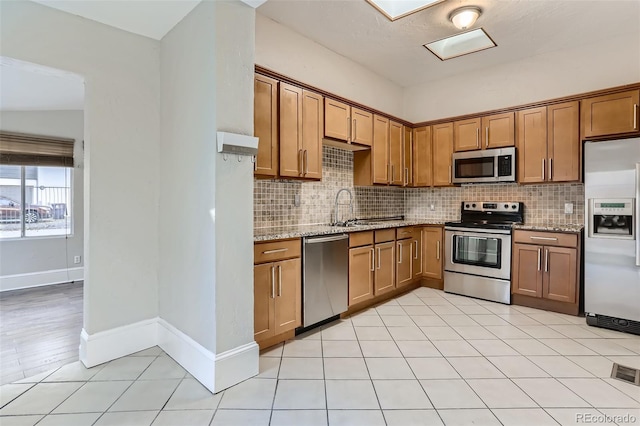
[[276, 250], [407, 232], [364, 238], [545, 238], [384, 235]]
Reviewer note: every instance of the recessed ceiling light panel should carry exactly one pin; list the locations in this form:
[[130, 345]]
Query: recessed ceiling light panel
[[461, 44], [395, 9]]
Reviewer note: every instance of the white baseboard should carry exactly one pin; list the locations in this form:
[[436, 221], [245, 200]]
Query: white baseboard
[[38, 279], [117, 342], [236, 365]]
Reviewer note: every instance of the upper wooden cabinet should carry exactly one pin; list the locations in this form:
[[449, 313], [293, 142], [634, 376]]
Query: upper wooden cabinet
[[422, 157], [346, 123], [492, 131], [396, 163], [442, 150], [611, 114], [265, 125], [380, 150], [301, 124], [549, 144], [466, 134], [498, 130], [407, 151]]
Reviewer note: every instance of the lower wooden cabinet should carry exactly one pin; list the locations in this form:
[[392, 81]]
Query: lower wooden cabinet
[[277, 293], [361, 271], [546, 271], [385, 268], [432, 252], [404, 273]]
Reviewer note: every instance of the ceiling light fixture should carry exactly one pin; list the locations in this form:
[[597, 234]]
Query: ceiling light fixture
[[465, 17], [395, 9]]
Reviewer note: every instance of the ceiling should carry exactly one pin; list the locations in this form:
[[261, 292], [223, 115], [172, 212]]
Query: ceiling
[[521, 28]]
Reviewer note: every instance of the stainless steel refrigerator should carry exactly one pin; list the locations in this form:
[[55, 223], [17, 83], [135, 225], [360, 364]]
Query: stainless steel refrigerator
[[612, 240]]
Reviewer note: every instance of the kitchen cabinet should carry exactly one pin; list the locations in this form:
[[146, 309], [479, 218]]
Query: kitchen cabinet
[[385, 258], [407, 150], [346, 123], [549, 144], [404, 253], [442, 151], [361, 267], [546, 270], [396, 136], [432, 255], [466, 134], [380, 150], [301, 130], [265, 125], [614, 114], [277, 289], [422, 157]]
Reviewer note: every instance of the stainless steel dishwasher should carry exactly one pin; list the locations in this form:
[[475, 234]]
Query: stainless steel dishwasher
[[325, 277]]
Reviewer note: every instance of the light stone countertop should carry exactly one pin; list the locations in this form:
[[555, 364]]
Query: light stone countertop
[[297, 231], [567, 227]]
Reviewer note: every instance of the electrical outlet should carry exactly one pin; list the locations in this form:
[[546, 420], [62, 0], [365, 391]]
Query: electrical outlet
[[76, 259], [432, 207], [568, 208]]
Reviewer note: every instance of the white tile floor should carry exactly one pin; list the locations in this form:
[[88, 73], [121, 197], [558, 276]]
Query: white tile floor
[[425, 358]]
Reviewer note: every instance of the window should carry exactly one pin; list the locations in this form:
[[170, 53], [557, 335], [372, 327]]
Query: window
[[36, 173]]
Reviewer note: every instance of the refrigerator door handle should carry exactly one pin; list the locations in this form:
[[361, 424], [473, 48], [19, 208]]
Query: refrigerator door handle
[[637, 213]]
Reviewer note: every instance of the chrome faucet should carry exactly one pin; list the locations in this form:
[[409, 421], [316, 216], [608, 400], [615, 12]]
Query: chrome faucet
[[335, 213]]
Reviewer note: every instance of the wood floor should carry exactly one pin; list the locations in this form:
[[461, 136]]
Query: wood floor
[[39, 329]]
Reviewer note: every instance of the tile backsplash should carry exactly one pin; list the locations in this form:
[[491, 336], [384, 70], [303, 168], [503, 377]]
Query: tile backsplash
[[274, 200]]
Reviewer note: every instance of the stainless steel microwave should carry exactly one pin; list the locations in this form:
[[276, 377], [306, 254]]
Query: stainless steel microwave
[[488, 165]]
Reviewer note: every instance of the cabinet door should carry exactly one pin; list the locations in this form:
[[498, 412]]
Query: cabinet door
[[532, 145], [498, 130], [396, 132], [432, 253], [563, 142], [466, 135], [416, 255], [442, 151], [407, 156], [361, 127], [290, 131], [385, 273], [526, 273], [337, 120], [361, 268], [404, 273], [380, 149], [560, 274], [610, 114], [422, 158], [288, 300], [263, 301], [265, 125], [312, 123]]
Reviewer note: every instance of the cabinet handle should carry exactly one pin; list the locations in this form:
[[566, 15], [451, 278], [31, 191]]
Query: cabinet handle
[[273, 282], [415, 256], [546, 260], [544, 238], [390, 172], [543, 169], [348, 129], [635, 116], [539, 257], [450, 166], [487, 137], [279, 280], [373, 259], [306, 162], [550, 168], [355, 130], [406, 176], [393, 174], [477, 137], [378, 257], [400, 252], [275, 251], [437, 250], [300, 161]]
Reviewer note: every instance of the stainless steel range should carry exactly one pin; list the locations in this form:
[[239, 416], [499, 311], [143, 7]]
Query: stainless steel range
[[478, 250]]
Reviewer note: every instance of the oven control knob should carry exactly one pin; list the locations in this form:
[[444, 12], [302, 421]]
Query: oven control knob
[[473, 205], [506, 206], [514, 206], [466, 205]]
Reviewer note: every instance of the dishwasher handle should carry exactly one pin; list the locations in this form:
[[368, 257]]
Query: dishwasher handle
[[314, 240]]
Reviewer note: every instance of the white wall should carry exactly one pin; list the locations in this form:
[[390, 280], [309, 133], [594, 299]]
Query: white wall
[[37, 256], [122, 133], [606, 64], [294, 55]]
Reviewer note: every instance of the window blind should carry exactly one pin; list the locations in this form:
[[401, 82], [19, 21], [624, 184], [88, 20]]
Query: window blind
[[22, 149]]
